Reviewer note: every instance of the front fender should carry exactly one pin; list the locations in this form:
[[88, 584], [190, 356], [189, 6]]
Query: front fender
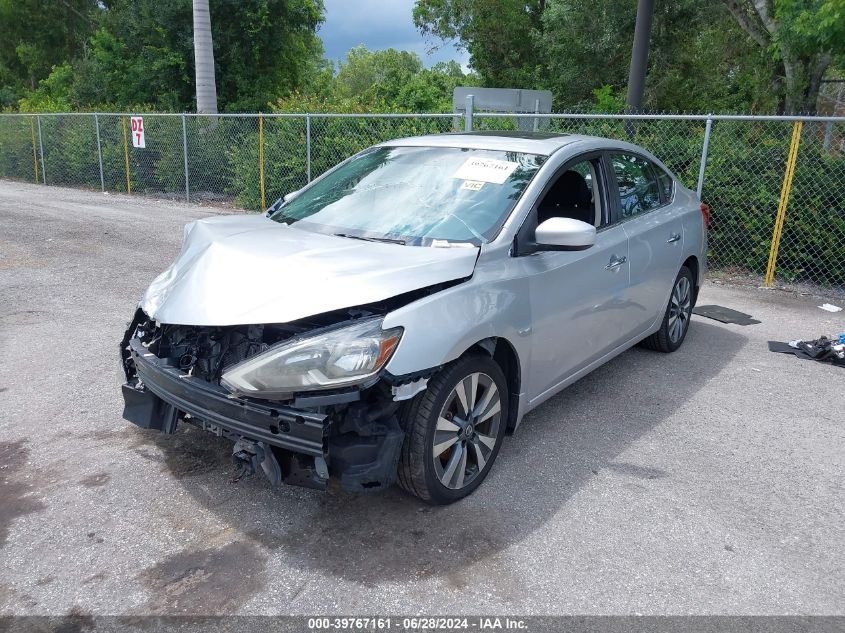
[[441, 327]]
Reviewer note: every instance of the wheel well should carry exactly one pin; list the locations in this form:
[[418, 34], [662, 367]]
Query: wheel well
[[692, 263], [505, 356]]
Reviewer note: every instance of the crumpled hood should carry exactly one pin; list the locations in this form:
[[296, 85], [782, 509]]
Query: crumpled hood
[[246, 269]]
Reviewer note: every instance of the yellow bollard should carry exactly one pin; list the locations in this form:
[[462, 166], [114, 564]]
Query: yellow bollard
[[126, 155], [261, 158], [34, 152], [769, 279]]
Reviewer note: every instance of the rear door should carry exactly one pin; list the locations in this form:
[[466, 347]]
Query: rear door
[[653, 224]]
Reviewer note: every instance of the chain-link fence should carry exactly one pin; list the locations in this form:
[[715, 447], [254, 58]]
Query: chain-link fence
[[738, 164]]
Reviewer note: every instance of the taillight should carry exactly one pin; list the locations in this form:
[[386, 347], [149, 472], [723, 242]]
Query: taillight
[[705, 212]]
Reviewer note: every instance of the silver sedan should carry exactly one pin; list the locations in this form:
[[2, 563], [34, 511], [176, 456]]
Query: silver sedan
[[394, 318]]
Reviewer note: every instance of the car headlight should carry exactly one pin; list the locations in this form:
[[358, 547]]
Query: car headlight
[[337, 358]]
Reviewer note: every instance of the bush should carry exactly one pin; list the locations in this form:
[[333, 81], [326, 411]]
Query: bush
[[743, 182], [16, 160]]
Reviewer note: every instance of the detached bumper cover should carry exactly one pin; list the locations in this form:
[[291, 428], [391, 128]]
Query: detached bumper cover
[[288, 428]]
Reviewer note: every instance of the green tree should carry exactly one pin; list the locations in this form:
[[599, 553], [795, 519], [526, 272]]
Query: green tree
[[142, 53], [699, 58], [430, 90], [498, 34], [376, 75], [51, 95], [36, 35], [389, 79], [804, 38], [264, 49], [585, 49]]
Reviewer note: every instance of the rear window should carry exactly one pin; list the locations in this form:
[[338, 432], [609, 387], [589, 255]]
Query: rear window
[[638, 187]]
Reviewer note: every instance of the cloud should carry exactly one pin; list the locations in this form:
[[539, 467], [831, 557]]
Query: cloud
[[379, 24]]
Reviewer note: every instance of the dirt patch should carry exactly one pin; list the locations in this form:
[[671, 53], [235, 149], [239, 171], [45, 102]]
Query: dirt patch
[[13, 256], [95, 481], [186, 453], [16, 497], [208, 582], [432, 541]]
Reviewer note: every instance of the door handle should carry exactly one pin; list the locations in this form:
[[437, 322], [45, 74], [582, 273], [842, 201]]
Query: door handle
[[674, 237], [616, 262]]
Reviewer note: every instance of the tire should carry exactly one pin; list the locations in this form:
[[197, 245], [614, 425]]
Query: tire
[[673, 330], [456, 465]]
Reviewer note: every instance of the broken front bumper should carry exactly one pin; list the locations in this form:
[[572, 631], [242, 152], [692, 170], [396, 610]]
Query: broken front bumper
[[356, 436], [162, 391]]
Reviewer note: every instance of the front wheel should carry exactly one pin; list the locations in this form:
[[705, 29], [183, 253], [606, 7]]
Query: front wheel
[[676, 319], [454, 430]]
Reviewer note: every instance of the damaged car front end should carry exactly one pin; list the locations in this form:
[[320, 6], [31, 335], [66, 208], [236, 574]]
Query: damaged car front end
[[301, 401]]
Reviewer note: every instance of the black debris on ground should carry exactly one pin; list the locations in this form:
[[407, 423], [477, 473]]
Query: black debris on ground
[[725, 315]]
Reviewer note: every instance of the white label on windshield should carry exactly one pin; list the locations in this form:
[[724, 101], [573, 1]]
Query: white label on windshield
[[472, 185], [486, 170]]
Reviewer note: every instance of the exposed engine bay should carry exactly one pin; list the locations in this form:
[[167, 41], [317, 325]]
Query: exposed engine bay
[[204, 351]]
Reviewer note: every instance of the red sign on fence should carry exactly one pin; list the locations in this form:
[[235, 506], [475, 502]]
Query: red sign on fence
[[138, 139]]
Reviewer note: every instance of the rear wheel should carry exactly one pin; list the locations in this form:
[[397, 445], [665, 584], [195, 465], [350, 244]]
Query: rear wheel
[[454, 430], [676, 319]]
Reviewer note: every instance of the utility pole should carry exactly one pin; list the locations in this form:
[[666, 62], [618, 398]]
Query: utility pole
[[639, 55]]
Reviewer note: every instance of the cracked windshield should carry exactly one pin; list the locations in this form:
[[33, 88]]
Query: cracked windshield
[[415, 195]]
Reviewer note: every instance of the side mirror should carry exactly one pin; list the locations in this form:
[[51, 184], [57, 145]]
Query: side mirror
[[565, 234], [293, 194]]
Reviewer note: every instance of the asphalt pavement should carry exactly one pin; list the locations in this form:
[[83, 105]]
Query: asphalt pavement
[[709, 481]]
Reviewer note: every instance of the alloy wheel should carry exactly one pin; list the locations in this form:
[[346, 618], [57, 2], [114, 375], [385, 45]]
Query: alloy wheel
[[680, 307], [467, 431]]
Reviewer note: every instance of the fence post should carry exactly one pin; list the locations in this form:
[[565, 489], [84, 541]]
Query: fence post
[[34, 150], [126, 155], [468, 114], [768, 280], [99, 151], [828, 135], [185, 157], [308, 147], [704, 148], [536, 111], [41, 149], [261, 158]]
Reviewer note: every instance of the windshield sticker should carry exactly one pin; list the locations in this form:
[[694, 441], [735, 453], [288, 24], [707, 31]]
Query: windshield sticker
[[472, 185], [486, 170]]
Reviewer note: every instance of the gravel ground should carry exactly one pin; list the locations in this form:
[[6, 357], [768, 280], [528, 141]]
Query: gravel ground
[[708, 481]]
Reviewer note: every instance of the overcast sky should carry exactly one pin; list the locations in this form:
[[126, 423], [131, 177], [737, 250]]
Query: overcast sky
[[379, 24]]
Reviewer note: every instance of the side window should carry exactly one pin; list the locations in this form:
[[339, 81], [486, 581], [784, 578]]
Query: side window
[[573, 195], [638, 188], [666, 184]]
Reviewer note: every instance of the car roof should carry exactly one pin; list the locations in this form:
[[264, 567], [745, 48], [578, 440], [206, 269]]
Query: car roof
[[542, 143]]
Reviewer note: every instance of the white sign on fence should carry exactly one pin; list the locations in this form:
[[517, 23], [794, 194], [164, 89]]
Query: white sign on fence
[[138, 139]]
